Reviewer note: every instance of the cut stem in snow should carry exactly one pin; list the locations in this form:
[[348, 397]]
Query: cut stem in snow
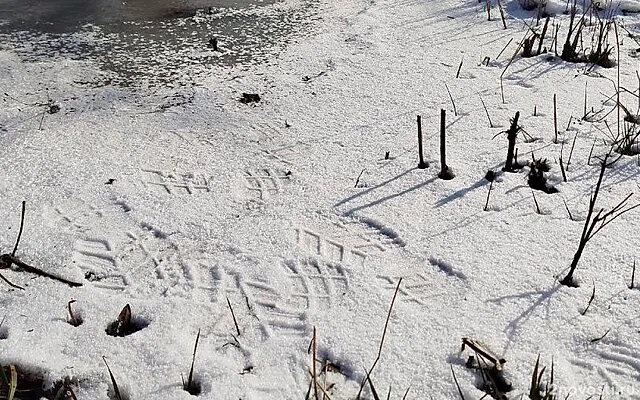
[[421, 164], [555, 121], [445, 172], [512, 135], [486, 204]]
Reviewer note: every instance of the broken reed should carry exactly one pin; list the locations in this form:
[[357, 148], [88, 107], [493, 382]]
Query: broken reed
[[512, 135], [191, 386], [536, 202], [233, 315], [116, 390], [555, 121], [455, 110], [421, 164], [486, 112], [486, 204], [445, 172]]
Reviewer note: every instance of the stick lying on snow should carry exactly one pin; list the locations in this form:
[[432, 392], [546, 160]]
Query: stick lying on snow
[[8, 260]]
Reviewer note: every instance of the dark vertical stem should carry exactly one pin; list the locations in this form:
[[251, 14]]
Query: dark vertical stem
[[591, 153], [445, 173], [459, 68], [542, 35], [566, 206], [486, 204], [486, 112], [315, 376], [233, 315], [564, 174], [536, 202], [455, 110], [422, 164], [593, 296], [504, 22], [512, 134], [571, 151], [585, 102], [443, 145], [15, 248], [589, 224], [555, 121]]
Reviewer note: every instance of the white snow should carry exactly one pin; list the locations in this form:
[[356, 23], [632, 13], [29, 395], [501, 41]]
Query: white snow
[[213, 202]]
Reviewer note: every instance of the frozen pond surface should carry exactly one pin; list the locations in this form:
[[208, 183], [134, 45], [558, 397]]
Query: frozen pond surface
[[152, 43], [66, 15]]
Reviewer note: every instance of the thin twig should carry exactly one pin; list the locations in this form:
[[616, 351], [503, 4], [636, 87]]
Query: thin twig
[[233, 315], [593, 295], [571, 151], [8, 258], [15, 247], [591, 152], [567, 208], [564, 174], [555, 121], [504, 48], [358, 178], [536, 201], [116, 390], [486, 204], [315, 376], [193, 361], [584, 111], [486, 111], [384, 333], [601, 337], [504, 22], [455, 111], [11, 284], [457, 384]]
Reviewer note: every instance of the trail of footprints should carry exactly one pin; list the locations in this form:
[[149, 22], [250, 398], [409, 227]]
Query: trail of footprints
[[315, 284], [175, 183], [100, 266], [310, 286], [143, 252], [313, 280], [329, 249], [265, 183]]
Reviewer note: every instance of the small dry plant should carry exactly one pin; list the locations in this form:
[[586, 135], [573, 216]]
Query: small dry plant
[[192, 386], [541, 389], [596, 221]]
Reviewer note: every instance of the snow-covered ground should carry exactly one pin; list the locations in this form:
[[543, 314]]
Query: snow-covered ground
[[303, 211]]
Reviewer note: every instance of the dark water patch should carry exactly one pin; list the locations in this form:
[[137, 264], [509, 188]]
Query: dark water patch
[[163, 46], [60, 16]]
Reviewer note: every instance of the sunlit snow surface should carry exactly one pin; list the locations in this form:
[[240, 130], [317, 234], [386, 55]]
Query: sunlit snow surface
[[153, 186]]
